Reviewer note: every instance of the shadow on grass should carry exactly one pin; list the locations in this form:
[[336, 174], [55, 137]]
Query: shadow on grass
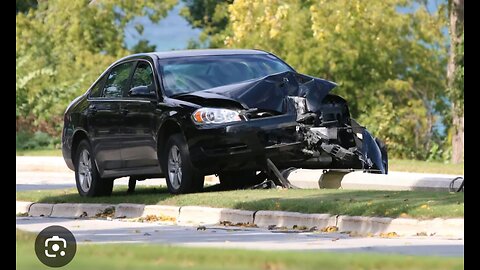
[[142, 195]]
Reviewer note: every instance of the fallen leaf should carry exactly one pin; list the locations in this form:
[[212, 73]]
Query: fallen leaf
[[155, 218], [330, 229], [389, 235]]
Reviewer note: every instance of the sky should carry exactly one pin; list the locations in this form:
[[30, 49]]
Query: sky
[[172, 32]]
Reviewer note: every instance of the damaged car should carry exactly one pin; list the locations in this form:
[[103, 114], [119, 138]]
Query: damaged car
[[244, 115]]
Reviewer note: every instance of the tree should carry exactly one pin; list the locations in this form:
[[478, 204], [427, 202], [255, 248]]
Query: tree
[[209, 15], [25, 5], [455, 76], [62, 46], [389, 64], [143, 46]]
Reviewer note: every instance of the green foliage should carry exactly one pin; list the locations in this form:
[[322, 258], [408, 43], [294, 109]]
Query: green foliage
[[37, 140], [25, 5], [143, 46], [390, 65], [62, 46], [209, 15]]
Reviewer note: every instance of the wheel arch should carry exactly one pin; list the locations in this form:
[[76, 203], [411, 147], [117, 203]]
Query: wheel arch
[[168, 128], [77, 137]]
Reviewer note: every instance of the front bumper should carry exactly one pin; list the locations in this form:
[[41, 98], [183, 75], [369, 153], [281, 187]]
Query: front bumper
[[247, 145]]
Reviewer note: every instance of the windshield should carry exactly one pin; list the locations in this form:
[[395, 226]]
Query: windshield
[[189, 74]]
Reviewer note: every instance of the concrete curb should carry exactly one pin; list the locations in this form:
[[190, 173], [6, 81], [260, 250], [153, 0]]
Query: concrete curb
[[23, 207], [197, 215], [76, 210], [289, 219], [40, 209], [402, 226], [208, 216], [130, 210]]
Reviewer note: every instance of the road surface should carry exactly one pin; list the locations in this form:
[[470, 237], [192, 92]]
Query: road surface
[[118, 231]]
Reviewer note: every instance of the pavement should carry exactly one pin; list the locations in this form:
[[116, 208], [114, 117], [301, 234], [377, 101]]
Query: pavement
[[31, 180], [35, 173], [88, 231]]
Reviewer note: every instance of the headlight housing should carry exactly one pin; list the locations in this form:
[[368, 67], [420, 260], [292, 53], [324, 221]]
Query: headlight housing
[[215, 116]]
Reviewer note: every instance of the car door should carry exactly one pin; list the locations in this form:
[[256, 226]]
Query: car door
[[106, 119], [139, 144]]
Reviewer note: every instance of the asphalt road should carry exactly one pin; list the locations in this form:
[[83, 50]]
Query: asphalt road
[[59, 180], [117, 231]]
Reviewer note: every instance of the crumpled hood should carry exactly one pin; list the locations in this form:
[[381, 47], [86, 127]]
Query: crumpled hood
[[267, 93]]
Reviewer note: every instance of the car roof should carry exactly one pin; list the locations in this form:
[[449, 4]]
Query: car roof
[[197, 52]]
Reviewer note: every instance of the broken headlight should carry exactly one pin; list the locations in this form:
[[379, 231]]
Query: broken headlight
[[215, 116]]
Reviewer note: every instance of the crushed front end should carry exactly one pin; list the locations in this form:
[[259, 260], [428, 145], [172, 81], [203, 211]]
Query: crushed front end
[[290, 119]]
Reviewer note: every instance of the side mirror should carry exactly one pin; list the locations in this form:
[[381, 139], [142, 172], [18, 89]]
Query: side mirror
[[142, 91]]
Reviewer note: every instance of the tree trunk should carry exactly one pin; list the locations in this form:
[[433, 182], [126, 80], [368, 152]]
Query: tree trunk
[[456, 29]]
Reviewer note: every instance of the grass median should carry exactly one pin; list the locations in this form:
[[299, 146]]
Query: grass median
[[143, 256], [413, 204], [408, 165]]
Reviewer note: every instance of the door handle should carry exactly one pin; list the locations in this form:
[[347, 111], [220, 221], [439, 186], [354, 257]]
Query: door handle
[[124, 111]]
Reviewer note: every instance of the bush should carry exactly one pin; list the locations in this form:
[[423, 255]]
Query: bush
[[37, 140]]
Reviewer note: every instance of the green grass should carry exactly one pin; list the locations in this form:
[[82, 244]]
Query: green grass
[[415, 204], [40, 152], [143, 256], [405, 165]]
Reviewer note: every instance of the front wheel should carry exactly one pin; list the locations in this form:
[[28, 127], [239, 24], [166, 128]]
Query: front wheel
[[88, 180], [180, 174]]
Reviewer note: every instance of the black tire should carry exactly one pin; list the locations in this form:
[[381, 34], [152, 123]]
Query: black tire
[[239, 179], [86, 168], [181, 177]]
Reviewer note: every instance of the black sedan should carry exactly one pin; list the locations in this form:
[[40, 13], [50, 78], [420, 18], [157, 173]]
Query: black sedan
[[186, 114]]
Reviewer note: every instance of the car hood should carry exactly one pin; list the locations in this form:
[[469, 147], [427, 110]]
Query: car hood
[[267, 93]]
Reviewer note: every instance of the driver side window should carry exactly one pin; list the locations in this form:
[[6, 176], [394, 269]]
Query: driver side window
[[143, 76]]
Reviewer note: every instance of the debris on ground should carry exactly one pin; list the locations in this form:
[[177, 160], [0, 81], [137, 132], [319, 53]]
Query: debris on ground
[[108, 212], [301, 228], [330, 229], [227, 223], [388, 235], [155, 218]]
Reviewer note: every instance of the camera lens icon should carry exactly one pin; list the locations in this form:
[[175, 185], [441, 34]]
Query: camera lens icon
[[56, 240], [55, 246]]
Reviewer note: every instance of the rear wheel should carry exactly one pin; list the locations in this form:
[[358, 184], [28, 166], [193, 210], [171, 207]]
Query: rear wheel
[[88, 180], [239, 179], [180, 174]]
